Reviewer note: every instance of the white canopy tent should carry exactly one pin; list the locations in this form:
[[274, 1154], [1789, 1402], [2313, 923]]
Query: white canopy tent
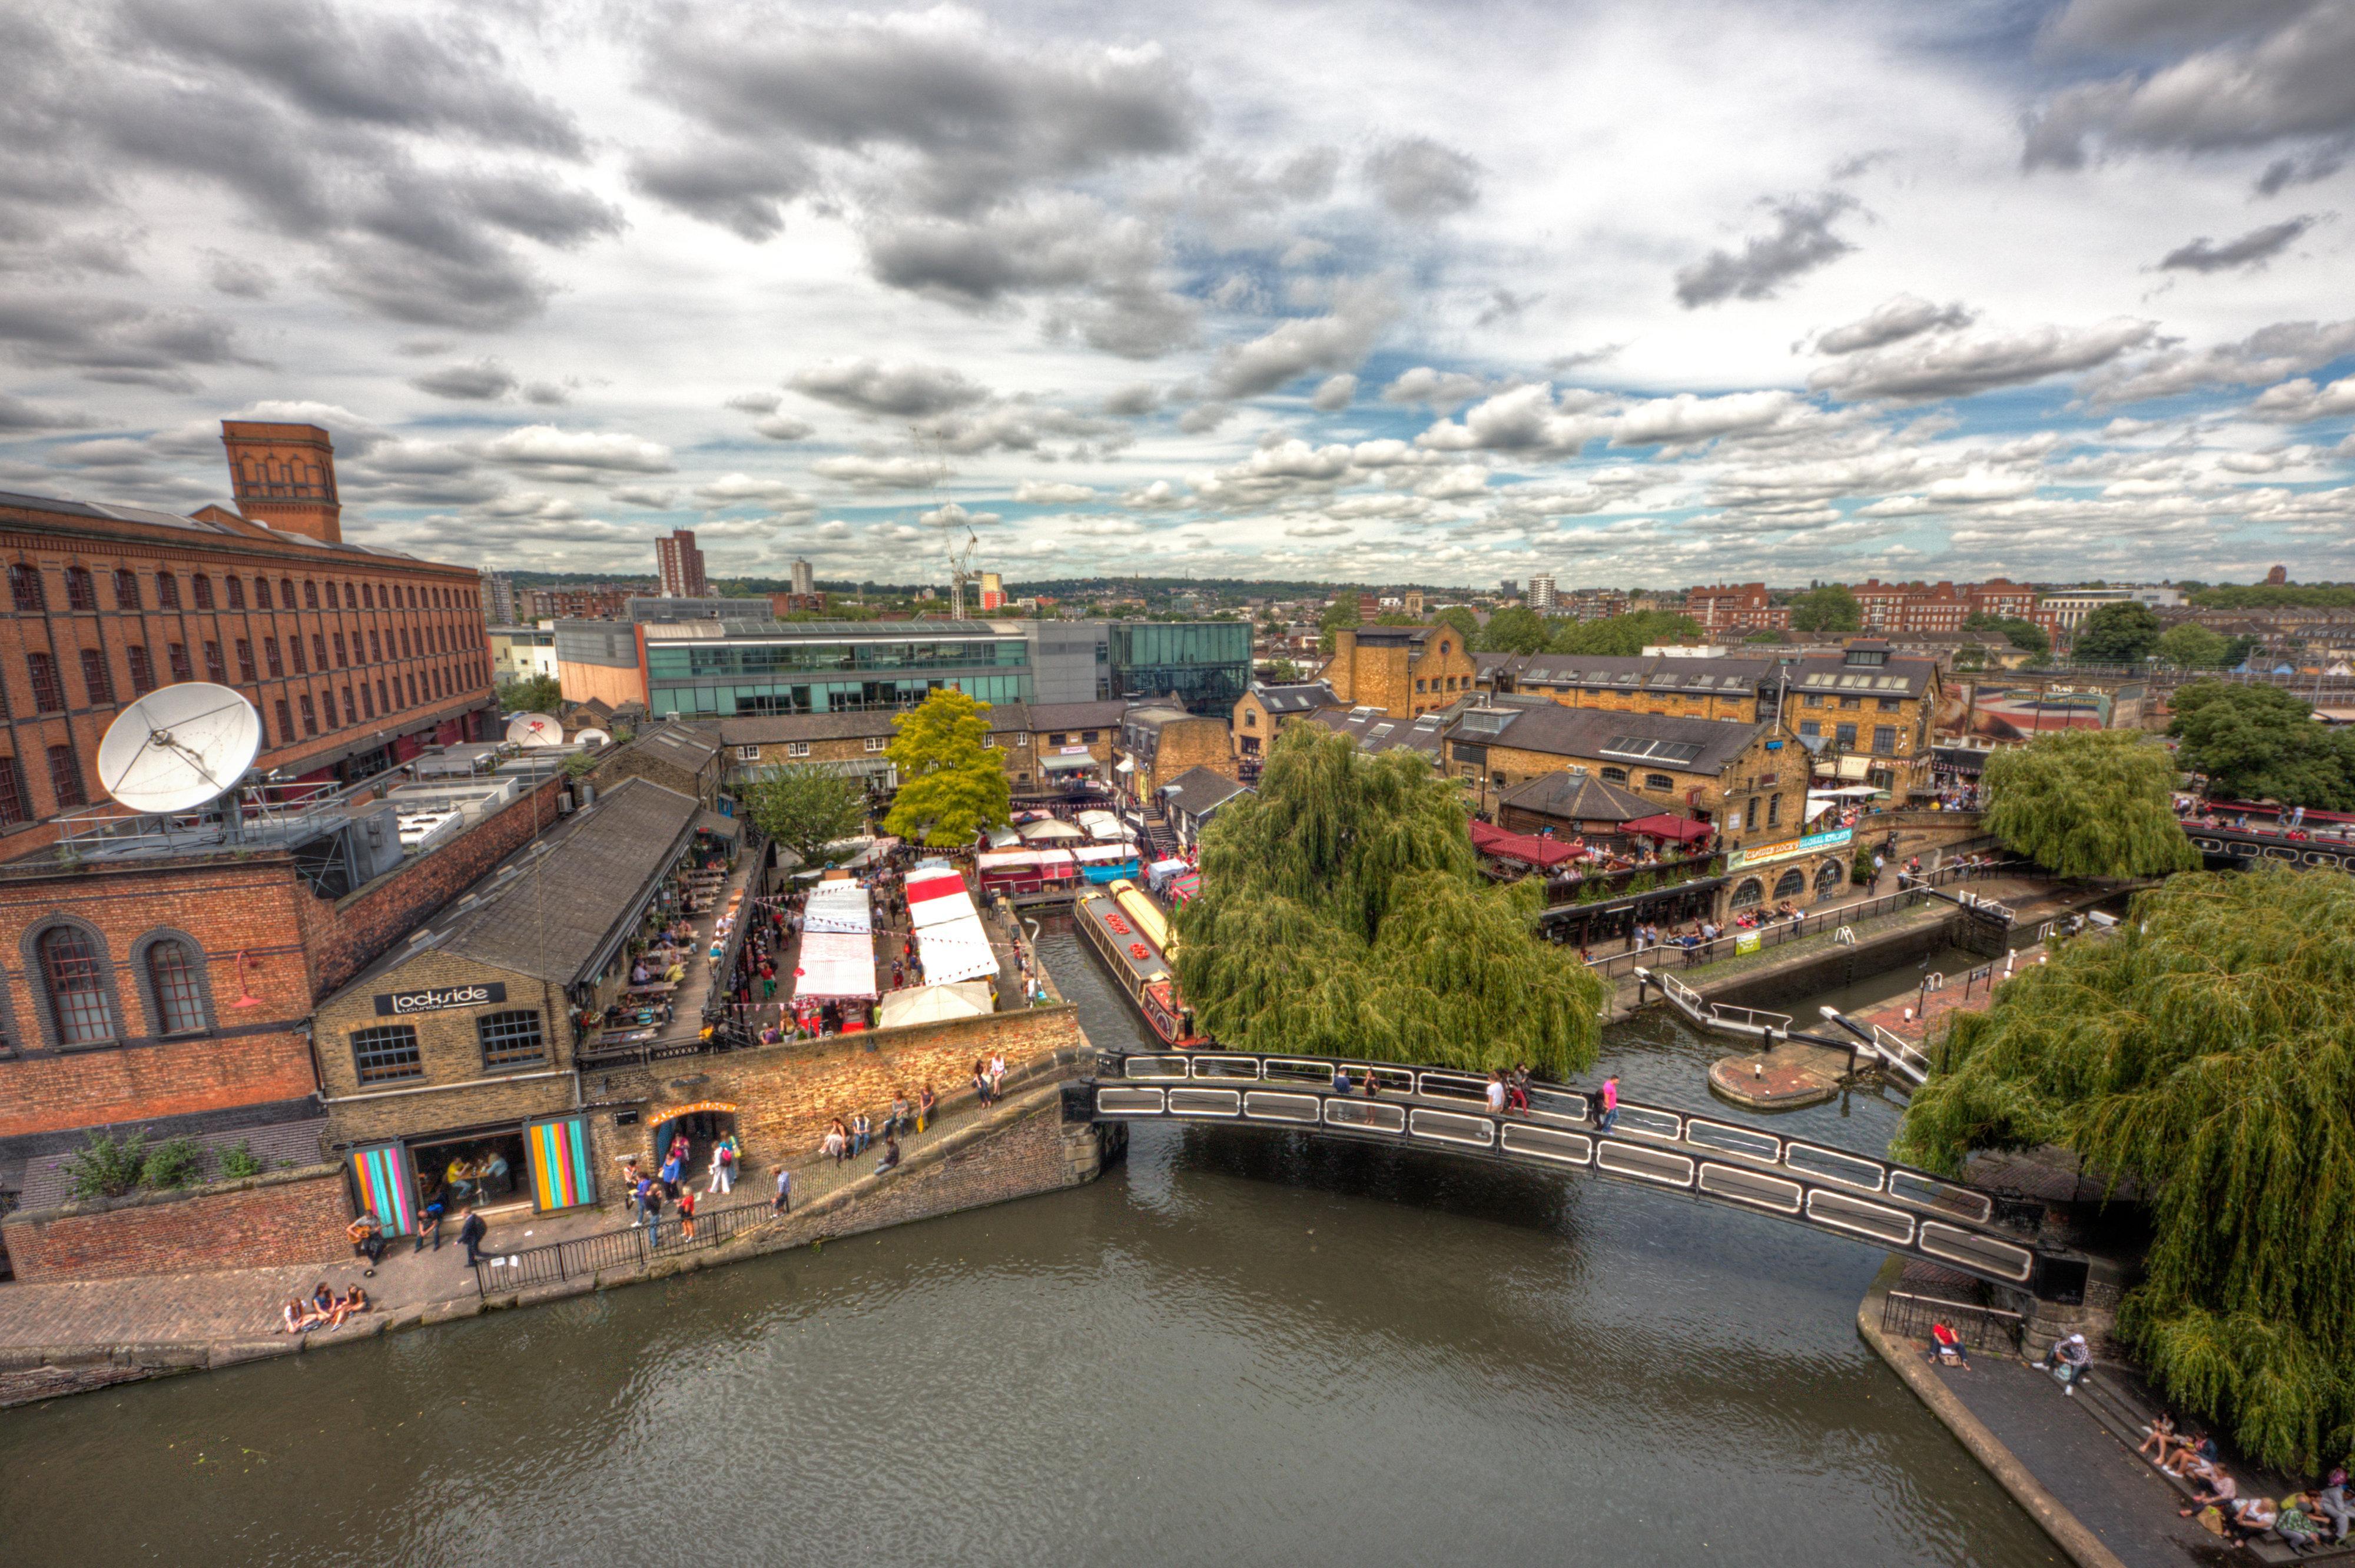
[[934, 1004], [834, 964]]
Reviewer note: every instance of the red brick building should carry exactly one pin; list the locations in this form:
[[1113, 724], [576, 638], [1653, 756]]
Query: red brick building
[[355, 657], [1941, 606], [1745, 607]]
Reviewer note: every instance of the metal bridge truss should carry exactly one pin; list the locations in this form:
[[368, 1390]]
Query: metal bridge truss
[[1828, 1190]]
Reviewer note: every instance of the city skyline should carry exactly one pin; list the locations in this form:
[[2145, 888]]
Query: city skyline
[[1658, 296]]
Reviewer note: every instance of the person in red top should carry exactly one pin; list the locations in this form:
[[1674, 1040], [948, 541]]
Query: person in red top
[[1946, 1347]]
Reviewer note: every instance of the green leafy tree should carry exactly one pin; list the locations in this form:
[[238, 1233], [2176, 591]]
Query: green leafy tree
[[2256, 743], [2203, 1050], [2121, 633], [1830, 608], [951, 786], [533, 694], [1342, 914], [1341, 615], [1516, 628], [1282, 672], [1466, 624], [2089, 802], [2024, 635], [1623, 636], [2190, 646], [2240, 651], [1765, 634], [804, 807], [2275, 596]]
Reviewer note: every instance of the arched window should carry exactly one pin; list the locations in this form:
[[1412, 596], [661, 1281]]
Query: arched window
[[126, 588], [1793, 883], [1658, 782], [1615, 776], [261, 594], [25, 587], [204, 586], [1828, 877], [177, 986], [76, 978], [310, 594], [1749, 895], [286, 593], [80, 593]]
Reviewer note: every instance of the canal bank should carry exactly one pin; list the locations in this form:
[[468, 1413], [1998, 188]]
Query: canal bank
[[76, 1337], [1234, 1347]]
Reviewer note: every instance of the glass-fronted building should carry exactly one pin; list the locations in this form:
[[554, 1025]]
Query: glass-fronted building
[[1208, 663], [735, 667]]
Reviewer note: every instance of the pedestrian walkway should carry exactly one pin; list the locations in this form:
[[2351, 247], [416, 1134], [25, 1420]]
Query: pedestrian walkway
[[695, 991], [197, 1309]]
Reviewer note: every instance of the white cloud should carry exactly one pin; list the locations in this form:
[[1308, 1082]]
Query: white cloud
[[546, 447]]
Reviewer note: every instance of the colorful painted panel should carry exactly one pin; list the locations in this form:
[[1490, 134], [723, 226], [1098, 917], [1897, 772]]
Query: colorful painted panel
[[383, 1172], [561, 1177]]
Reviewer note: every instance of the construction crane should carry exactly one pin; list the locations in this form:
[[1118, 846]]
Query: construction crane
[[952, 516]]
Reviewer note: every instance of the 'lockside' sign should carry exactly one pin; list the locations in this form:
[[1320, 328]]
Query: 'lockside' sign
[[393, 1004]]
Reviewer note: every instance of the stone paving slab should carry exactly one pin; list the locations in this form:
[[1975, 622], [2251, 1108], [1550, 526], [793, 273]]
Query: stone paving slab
[[2112, 1491]]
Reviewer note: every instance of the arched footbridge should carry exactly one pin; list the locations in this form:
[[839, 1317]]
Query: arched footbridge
[[1795, 1180]]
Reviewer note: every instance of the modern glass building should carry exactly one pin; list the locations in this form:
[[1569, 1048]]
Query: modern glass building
[[735, 667], [1208, 663]]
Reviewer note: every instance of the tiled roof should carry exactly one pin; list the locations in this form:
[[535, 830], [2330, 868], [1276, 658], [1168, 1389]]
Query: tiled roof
[[1198, 789], [1685, 677], [1900, 677], [1579, 798], [1375, 731], [1617, 739], [549, 910], [1300, 698]]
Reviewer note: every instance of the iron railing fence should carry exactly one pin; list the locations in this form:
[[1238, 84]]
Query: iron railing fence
[[1907, 1316], [624, 1248]]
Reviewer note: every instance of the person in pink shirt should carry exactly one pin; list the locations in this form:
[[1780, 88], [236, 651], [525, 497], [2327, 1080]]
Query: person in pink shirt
[[1607, 1104]]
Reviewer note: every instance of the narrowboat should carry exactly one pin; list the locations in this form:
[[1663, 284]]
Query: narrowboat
[[1135, 964]]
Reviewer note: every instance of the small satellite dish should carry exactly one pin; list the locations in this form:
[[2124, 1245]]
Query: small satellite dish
[[177, 748], [534, 729], [592, 737]]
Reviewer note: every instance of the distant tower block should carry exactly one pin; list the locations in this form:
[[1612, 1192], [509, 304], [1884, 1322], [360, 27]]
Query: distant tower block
[[283, 477]]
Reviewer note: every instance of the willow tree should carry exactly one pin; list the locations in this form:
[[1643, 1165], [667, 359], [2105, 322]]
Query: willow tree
[[1343, 913], [2089, 802], [2203, 1050]]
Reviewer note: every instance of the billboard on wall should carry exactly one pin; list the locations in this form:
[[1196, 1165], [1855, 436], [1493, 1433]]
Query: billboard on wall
[[2018, 707], [1789, 849]]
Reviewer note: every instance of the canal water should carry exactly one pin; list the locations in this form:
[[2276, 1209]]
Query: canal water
[[1237, 1347]]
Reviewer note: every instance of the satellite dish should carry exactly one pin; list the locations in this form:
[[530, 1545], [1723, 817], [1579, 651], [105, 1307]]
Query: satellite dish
[[534, 729], [592, 737], [180, 747]]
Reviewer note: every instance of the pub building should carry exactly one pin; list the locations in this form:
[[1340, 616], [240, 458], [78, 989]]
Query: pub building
[[448, 1067]]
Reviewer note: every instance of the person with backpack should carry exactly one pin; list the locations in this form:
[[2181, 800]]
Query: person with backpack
[[470, 1236], [723, 1168]]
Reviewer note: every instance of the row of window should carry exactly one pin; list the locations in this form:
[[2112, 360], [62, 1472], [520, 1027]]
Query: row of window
[[1790, 885], [48, 688], [74, 989], [388, 1054], [1884, 705], [26, 592], [1884, 736]]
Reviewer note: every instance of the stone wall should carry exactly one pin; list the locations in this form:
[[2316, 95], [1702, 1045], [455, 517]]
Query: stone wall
[[282, 1217], [786, 1094], [1926, 833]]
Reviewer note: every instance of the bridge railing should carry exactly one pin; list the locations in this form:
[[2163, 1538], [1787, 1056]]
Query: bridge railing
[[1790, 1178]]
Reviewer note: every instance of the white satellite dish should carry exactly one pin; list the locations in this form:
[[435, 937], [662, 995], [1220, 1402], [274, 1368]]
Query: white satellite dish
[[177, 748], [592, 737], [534, 729]]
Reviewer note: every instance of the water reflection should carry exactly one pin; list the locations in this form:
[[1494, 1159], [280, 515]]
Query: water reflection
[[1238, 1347]]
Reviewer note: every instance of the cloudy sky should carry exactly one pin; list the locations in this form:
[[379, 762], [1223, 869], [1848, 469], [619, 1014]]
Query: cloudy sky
[[1664, 291]]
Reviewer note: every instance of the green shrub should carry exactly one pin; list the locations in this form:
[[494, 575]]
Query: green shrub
[[176, 1162], [237, 1163], [108, 1167]]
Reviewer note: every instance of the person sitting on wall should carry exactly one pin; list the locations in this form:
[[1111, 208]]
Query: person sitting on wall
[[1946, 1347], [298, 1319], [368, 1237]]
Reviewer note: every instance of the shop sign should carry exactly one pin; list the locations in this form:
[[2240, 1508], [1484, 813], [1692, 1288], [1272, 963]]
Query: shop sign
[[1748, 942], [669, 1111], [1789, 849], [399, 1004]]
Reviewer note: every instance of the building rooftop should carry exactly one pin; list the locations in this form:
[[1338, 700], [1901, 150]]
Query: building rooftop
[[1579, 797], [1199, 791], [222, 524], [1622, 739], [549, 910], [1377, 732], [1301, 697]]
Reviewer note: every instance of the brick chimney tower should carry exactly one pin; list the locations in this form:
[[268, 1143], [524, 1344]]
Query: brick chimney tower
[[283, 476]]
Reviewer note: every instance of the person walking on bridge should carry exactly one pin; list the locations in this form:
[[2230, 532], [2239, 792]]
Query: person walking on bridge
[[1607, 1104], [1496, 1092]]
